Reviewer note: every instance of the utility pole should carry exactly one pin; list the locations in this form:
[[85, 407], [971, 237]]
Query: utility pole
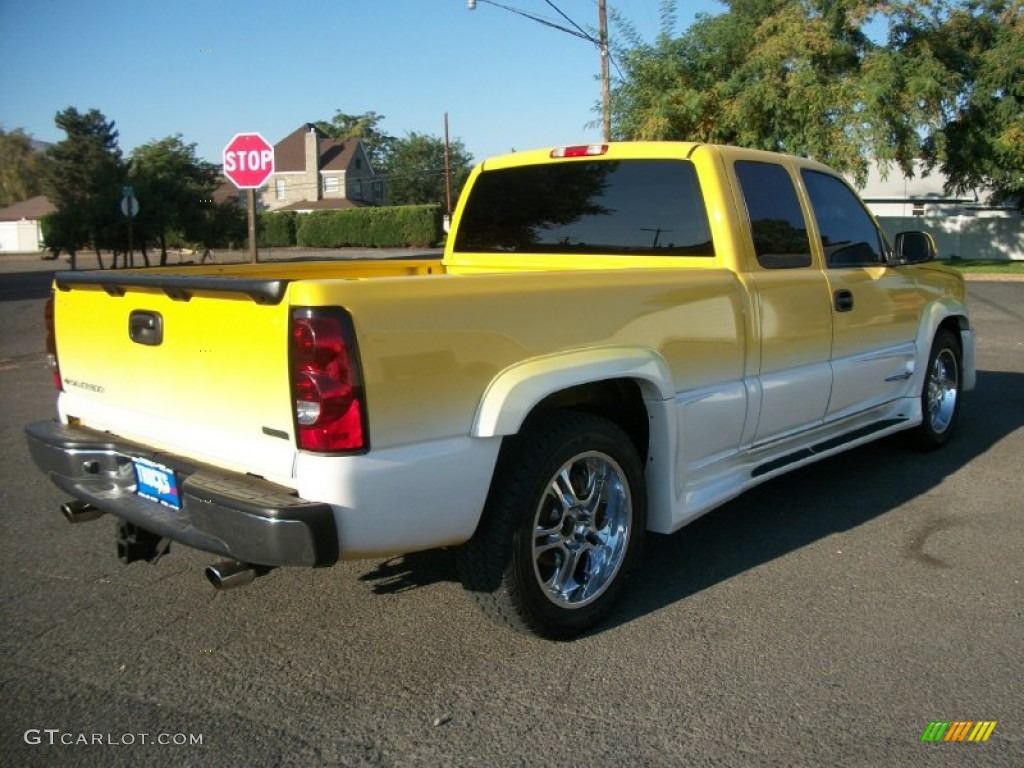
[[606, 97], [601, 43], [447, 175]]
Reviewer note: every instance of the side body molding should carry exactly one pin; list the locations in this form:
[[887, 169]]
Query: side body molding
[[514, 392]]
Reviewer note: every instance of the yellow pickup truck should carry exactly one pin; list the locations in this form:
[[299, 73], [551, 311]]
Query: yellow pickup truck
[[618, 338]]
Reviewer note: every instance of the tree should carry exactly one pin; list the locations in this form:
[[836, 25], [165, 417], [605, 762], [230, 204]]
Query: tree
[[366, 128], [222, 225], [83, 176], [801, 76], [19, 167], [175, 191], [982, 142], [415, 169]]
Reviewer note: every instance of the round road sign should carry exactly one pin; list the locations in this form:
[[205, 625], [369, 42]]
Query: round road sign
[[248, 160]]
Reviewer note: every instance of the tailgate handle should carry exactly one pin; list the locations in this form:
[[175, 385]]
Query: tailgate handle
[[146, 328]]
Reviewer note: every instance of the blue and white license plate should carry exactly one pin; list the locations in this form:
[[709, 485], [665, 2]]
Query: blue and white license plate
[[156, 483]]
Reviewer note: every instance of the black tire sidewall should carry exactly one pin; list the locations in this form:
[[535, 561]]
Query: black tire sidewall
[[928, 437], [562, 440]]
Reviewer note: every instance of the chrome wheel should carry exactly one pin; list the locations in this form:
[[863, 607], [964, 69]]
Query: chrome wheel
[[581, 530], [563, 526], [941, 390], [940, 394]]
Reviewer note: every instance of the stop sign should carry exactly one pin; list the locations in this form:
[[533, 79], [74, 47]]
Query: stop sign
[[248, 160]]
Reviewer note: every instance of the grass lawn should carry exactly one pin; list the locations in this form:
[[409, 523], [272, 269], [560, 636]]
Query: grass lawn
[[987, 267]]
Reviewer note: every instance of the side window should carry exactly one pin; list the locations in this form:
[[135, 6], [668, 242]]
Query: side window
[[848, 235], [776, 220]]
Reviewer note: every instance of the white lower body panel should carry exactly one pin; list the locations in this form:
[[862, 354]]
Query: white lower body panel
[[402, 499]]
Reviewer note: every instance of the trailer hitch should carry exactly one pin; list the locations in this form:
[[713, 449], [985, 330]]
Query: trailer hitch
[[135, 543]]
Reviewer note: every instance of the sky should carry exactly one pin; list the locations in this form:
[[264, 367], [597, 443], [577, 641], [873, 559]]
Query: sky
[[208, 69]]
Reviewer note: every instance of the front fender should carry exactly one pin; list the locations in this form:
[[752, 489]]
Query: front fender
[[935, 314]]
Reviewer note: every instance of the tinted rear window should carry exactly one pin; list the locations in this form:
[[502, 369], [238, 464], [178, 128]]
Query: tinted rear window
[[776, 220], [641, 207]]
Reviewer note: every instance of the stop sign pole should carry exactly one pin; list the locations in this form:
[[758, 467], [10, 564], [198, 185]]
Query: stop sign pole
[[248, 163]]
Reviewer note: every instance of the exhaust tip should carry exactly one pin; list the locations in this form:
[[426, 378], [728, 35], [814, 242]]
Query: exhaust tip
[[79, 511], [230, 574]]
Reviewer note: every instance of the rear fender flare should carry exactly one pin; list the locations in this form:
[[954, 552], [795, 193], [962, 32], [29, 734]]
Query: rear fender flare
[[516, 391]]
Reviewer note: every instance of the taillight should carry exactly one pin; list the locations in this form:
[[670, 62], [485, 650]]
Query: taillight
[[583, 150], [51, 343], [327, 384]]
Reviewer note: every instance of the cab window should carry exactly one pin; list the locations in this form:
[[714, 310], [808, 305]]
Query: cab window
[[849, 236], [776, 220], [627, 207]]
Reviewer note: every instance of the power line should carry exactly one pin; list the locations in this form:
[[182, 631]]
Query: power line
[[564, 16], [601, 43], [578, 32]]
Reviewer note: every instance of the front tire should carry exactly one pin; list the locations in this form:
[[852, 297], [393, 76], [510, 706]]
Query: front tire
[[562, 526], [941, 394]]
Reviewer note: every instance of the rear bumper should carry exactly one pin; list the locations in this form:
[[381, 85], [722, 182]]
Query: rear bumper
[[225, 513]]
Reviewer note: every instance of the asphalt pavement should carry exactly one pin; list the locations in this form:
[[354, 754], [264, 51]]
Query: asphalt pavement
[[823, 619]]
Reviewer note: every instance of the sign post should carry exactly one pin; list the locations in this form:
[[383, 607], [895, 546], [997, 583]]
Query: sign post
[[248, 163], [129, 207]]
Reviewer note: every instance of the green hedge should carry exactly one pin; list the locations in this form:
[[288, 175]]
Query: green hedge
[[277, 229], [396, 226]]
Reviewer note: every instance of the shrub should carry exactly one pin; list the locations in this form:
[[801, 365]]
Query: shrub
[[387, 227], [277, 229]]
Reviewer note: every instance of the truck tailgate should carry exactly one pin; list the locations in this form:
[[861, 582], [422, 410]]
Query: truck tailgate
[[196, 366]]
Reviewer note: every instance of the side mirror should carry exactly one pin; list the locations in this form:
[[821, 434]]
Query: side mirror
[[914, 248]]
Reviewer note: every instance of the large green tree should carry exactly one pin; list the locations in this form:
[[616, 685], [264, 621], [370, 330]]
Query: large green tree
[[416, 170], [83, 177], [19, 167], [802, 76], [365, 127], [981, 143], [175, 192]]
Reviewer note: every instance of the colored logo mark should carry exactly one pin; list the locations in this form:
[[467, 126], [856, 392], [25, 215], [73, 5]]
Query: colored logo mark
[[959, 730]]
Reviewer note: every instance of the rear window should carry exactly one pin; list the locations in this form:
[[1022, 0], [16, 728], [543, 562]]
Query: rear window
[[776, 220], [638, 207]]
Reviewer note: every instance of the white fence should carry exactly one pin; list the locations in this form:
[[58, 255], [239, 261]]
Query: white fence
[[966, 237]]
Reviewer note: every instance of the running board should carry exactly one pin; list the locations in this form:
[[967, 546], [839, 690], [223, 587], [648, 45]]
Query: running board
[[824, 447]]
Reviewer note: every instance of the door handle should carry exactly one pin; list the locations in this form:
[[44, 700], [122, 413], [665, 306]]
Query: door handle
[[843, 300]]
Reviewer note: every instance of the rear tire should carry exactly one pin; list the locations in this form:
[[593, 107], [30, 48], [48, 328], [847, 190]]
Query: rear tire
[[941, 393], [562, 527]]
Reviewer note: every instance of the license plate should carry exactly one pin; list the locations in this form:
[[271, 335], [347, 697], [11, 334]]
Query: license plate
[[156, 483]]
